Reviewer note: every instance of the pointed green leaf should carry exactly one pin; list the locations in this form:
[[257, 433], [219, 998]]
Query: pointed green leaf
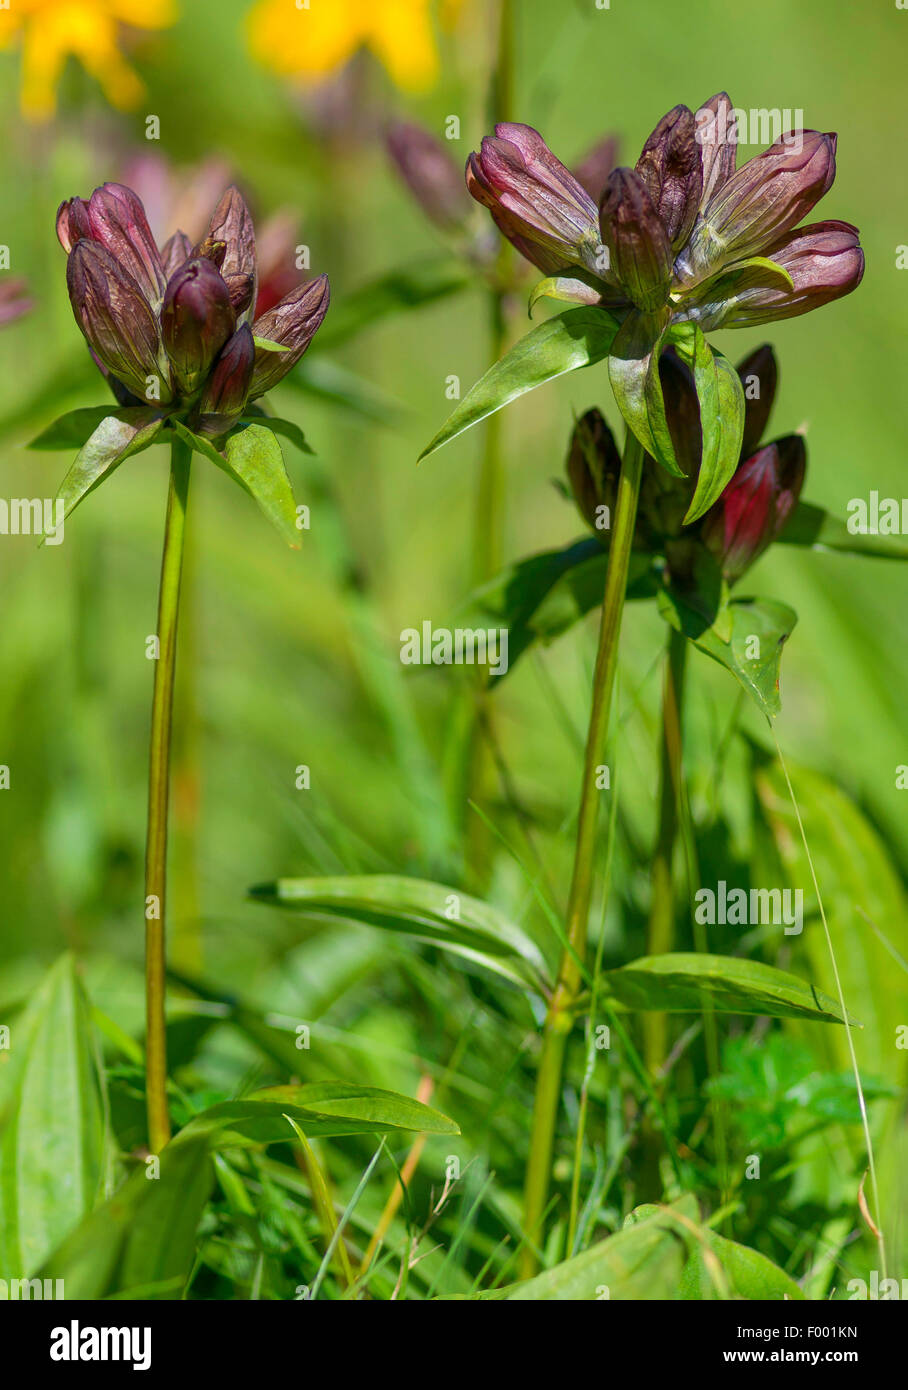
[[684, 982], [574, 289], [286, 428], [815, 528], [431, 912], [571, 340], [252, 457], [145, 1234], [633, 368], [322, 1109], [721, 399], [71, 430], [268, 346], [53, 1138], [120, 434], [751, 648]]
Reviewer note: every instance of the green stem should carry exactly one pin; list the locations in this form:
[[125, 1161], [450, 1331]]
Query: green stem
[[559, 1018], [660, 936], [158, 795]]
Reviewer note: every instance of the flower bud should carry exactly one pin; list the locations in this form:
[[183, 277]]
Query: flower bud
[[228, 386], [593, 466], [671, 168], [115, 218], [639, 249], [759, 373], [535, 201], [430, 174], [755, 505], [196, 321], [116, 319], [231, 223], [175, 252], [717, 136], [292, 324], [825, 262]]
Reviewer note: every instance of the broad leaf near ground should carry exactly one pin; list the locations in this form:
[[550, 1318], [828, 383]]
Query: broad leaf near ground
[[685, 982], [120, 435], [52, 1145], [573, 339], [431, 912], [748, 641], [749, 1274]]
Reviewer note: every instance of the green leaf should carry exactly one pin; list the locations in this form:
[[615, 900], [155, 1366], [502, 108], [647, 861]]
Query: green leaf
[[750, 1275], [770, 268], [53, 1137], [71, 430], [571, 340], [252, 457], [539, 598], [120, 434], [409, 287], [287, 428], [268, 346], [575, 289], [323, 1109], [813, 527], [145, 1234], [721, 400], [634, 374], [430, 912], [683, 982], [747, 639]]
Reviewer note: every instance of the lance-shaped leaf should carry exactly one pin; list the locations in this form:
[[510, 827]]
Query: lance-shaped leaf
[[634, 375], [431, 912], [571, 340], [685, 982], [119, 436], [721, 400], [322, 1109], [252, 457], [286, 428], [747, 639], [53, 1135], [748, 1274], [70, 431], [813, 527], [144, 1236]]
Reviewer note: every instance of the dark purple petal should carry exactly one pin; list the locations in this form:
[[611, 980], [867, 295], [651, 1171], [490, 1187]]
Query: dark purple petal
[[292, 323], [717, 136], [116, 319], [228, 386], [759, 373], [536, 202], [175, 252], [231, 223], [430, 173], [593, 169], [197, 318], [115, 218], [638, 245], [672, 170]]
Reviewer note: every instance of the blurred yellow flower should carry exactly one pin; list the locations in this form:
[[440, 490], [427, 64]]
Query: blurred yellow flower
[[314, 40], [52, 30]]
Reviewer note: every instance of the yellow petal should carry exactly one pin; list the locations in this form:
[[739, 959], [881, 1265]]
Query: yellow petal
[[401, 36], [306, 43]]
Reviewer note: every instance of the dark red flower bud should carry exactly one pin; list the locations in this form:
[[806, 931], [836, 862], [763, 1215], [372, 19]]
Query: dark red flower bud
[[755, 505], [593, 466], [535, 201], [196, 320], [671, 168], [231, 223], [293, 324], [759, 373], [430, 173], [115, 218], [117, 320], [228, 386], [639, 248]]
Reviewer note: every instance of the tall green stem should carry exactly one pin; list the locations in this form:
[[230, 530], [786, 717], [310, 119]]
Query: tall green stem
[[559, 1018], [158, 796]]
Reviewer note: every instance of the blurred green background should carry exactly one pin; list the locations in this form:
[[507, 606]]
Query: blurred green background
[[292, 657]]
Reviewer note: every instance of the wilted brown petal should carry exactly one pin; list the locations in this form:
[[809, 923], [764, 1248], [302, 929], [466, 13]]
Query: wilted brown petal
[[292, 323], [116, 319], [671, 169], [231, 222], [638, 245]]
